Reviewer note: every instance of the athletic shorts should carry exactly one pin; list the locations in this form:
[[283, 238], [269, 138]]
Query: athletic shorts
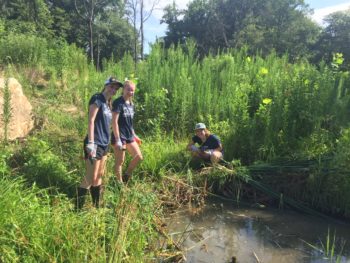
[[124, 141], [100, 151]]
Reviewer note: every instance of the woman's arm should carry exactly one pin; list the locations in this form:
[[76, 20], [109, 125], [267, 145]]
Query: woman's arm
[[93, 109], [115, 127]]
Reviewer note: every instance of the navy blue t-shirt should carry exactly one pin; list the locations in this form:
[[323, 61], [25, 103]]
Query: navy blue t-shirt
[[125, 121], [212, 142], [102, 121]]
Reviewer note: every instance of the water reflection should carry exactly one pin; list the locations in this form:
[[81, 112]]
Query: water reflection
[[221, 231]]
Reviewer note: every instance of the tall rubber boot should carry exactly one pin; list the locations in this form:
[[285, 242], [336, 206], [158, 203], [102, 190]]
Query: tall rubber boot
[[95, 192], [126, 177], [80, 199]]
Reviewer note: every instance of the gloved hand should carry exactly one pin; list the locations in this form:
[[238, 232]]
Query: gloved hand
[[137, 139], [91, 148], [210, 152], [119, 144], [194, 148]]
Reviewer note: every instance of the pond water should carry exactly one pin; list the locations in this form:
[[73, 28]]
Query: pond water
[[221, 231]]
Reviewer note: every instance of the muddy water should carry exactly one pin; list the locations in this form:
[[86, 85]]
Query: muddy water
[[221, 231]]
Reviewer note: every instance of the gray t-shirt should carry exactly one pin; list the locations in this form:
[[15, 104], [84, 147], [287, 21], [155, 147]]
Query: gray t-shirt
[[102, 121], [126, 115]]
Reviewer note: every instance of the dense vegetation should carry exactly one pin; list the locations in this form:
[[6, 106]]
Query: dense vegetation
[[110, 28], [264, 106]]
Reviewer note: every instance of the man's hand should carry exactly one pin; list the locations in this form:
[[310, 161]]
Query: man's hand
[[194, 148]]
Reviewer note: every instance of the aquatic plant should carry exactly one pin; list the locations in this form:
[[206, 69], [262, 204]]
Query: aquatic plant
[[331, 248]]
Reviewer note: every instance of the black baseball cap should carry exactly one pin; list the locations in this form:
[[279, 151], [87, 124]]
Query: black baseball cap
[[113, 80]]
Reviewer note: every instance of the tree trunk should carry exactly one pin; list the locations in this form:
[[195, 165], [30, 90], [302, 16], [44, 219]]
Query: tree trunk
[[98, 53], [135, 41], [91, 42], [91, 23], [141, 30]]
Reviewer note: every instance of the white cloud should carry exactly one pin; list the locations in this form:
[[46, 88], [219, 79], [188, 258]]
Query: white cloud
[[319, 14]]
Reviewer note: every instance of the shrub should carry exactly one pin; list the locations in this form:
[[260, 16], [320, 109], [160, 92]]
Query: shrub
[[44, 168]]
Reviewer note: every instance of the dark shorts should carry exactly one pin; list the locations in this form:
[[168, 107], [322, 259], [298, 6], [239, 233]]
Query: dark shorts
[[100, 151], [124, 141]]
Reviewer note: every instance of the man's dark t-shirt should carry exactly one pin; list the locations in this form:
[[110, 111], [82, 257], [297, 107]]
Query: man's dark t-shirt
[[102, 121], [125, 121], [212, 142]]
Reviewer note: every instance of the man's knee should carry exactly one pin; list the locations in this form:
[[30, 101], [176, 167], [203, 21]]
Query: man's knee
[[215, 157]]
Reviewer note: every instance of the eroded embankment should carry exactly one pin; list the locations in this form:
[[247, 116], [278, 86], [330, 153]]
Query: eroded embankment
[[187, 212], [289, 185]]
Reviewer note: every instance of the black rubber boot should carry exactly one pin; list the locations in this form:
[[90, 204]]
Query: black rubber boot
[[126, 177], [80, 199], [95, 192]]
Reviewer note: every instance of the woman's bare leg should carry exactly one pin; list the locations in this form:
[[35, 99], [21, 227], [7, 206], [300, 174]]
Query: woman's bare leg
[[92, 170], [119, 156], [101, 170], [135, 152]]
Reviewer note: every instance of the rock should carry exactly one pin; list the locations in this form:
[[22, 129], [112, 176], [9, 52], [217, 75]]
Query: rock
[[21, 120]]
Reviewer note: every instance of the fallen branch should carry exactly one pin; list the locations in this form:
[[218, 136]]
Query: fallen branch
[[256, 257]]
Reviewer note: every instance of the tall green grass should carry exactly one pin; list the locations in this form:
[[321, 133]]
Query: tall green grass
[[35, 227], [270, 105]]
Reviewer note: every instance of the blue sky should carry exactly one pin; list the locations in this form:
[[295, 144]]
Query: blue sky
[[324, 3], [154, 29]]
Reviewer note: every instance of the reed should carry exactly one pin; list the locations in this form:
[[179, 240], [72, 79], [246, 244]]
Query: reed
[[331, 249]]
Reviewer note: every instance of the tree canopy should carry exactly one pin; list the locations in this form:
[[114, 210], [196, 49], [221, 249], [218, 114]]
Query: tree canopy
[[99, 27], [283, 26], [335, 37]]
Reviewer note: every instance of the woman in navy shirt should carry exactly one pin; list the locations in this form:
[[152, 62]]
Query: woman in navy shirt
[[124, 137], [209, 146], [96, 142]]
